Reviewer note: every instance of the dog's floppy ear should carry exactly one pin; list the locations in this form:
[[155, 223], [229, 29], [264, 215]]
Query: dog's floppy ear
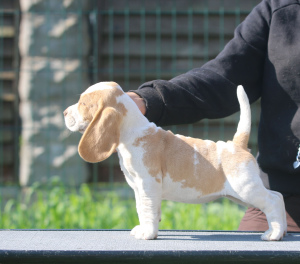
[[101, 137]]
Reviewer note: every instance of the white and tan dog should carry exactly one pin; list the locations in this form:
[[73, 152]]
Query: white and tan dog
[[159, 165]]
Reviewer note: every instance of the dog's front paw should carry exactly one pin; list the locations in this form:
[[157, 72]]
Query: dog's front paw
[[145, 232]]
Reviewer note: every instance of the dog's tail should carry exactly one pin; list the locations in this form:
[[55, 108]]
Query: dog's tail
[[242, 134]]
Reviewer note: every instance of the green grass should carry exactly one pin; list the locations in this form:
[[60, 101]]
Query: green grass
[[57, 207]]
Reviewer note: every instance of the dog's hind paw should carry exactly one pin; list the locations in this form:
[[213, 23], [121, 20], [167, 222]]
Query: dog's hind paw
[[273, 235], [145, 232]]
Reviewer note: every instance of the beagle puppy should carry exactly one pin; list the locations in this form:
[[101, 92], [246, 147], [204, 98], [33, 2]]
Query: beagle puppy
[[159, 165]]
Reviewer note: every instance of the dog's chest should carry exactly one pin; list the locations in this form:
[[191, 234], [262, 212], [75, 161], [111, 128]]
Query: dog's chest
[[125, 161]]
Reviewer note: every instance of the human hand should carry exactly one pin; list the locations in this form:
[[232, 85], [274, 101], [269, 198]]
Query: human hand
[[139, 101]]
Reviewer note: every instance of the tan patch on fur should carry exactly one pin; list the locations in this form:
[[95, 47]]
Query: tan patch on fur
[[231, 161], [114, 85], [176, 156], [158, 180], [241, 140], [89, 103], [105, 114]]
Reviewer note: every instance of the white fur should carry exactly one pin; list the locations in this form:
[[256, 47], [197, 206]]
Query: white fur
[[244, 125], [99, 87], [74, 121], [242, 184]]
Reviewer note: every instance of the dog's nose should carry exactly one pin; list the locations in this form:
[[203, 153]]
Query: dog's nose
[[66, 112]]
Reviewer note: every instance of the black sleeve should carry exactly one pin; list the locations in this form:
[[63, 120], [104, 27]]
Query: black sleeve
[[210, 91]]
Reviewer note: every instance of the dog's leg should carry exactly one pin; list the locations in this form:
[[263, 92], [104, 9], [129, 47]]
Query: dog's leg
[[269, 234], [148, 206], [137, 201], [272, 204], [275, 213], [283, 212], [249, 189]]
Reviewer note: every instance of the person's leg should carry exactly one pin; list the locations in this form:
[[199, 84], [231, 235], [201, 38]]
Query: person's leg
[[292, 207], [255, 220]]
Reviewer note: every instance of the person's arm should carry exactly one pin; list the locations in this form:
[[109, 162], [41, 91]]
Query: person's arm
[[139, 101], [210, 91]]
